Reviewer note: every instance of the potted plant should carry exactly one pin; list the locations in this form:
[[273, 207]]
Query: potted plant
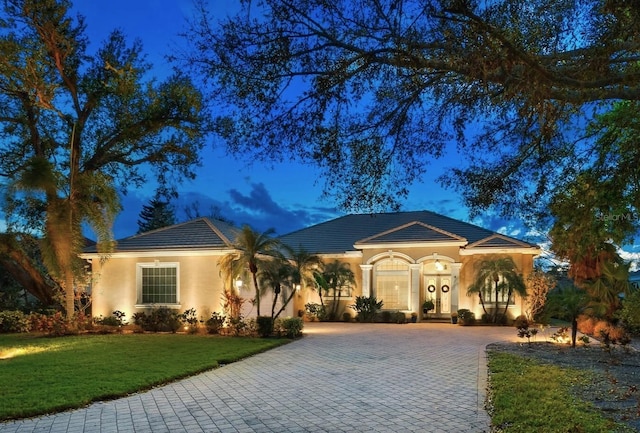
[[454, 318], [427, 306], [414, 317]]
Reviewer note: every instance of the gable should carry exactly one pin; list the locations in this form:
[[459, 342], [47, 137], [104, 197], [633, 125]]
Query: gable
[[413, 232], [201, 233], [499, 241]]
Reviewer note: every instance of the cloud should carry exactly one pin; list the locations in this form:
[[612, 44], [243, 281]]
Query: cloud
[[508, 227], [260, 211], [256, 208]]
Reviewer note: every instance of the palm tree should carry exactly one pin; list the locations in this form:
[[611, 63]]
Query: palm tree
[[607, 288], [568, 303], [501, 275], [252, 248], [90, 198], [303, 273], [277, 274], [304, 265], [335, 276]]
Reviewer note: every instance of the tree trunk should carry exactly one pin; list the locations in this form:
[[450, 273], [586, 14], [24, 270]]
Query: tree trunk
[[275, 300], [504, 314], [495, 312], [284, 305], [334, 307], [18, 265], [60, 242], [484, 308], [574, 331], [255, 285]]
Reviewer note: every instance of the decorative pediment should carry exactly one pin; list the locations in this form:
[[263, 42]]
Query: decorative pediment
[[413, 232], [499, 241]]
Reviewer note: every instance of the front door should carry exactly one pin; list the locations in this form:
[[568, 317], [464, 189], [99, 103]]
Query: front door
[[438, 289]]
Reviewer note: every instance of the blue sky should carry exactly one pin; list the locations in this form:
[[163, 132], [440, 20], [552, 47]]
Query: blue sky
[[285, 197]]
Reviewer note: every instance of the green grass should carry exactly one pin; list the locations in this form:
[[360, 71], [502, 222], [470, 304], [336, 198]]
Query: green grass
[[41, 375], [529, 397]]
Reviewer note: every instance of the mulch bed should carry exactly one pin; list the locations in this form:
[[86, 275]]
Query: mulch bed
[[615, 389]]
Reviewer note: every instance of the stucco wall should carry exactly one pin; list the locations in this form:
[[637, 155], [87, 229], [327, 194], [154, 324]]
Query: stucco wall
[[467, 268], [524, 263], [115, 286], [200, 287]]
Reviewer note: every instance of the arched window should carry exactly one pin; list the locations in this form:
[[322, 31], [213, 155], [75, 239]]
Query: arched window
[[391, 282]]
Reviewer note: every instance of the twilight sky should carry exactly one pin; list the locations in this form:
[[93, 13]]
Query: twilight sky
[[285, 197]]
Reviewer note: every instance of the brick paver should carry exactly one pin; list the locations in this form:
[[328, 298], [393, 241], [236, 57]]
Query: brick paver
[[424, 377]]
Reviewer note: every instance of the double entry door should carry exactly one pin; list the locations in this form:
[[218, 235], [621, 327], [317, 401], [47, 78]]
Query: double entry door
[[438, 289]]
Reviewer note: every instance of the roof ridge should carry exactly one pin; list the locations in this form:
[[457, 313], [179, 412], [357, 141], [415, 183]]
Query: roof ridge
[[217, 231]]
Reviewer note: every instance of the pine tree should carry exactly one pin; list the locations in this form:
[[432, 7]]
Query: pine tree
[[157, 214]]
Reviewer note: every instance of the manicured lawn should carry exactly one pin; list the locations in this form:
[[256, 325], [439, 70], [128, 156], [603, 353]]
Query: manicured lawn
[[41, 375], [529, 397]]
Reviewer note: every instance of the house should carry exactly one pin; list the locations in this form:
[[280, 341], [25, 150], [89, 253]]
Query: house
[[402, 258]]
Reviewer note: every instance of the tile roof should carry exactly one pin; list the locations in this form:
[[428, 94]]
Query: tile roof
[[339, 235], [336, 236], [412, 232], [200, 233], [498, 240]]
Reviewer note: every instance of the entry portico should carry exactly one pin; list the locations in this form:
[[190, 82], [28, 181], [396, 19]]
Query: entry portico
[[406, 258]]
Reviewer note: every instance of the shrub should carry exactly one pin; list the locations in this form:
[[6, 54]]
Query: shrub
[[13, 321], [115, 320], [608, 333], [237, 326], [428, 305], [561, 335], [107, 321], [466, 317], [250, 327], [54, 325], [190, 319], [367, 307], [346, 316], [400, 317], [158, 320], [587, 324], [385, 316], [629, 314], [139, 318], [214, 323], [265, 326], [521, 321], [315, 311], [290, 327], [82, 322], [525, 332]]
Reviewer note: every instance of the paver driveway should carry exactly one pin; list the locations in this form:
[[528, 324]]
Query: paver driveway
[[339, 378]]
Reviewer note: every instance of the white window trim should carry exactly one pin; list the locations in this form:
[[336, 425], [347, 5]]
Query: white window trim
[[156, 264], [406, 273]]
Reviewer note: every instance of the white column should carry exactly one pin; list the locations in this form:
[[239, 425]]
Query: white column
[[455, 286], [366, 279], [415, 288]]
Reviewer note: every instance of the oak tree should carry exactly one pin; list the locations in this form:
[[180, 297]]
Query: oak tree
[[372, 91], [77, 125]]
